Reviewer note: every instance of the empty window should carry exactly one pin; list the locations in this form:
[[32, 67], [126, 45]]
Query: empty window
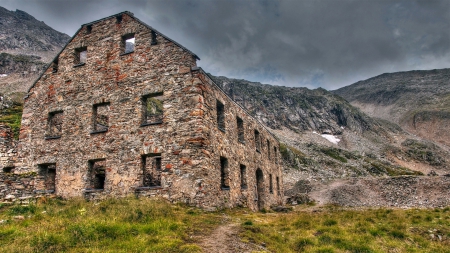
[[224, 173], [268, 149], [154, 42], [100, 117], [270, 184], [55, 120], [278, 185], [8, 169], [48, 173], [275, 154], [152, 109], [88, 29], [151, 170], [257, 141], [80, 56], [243, 176], [55, 66], [128, 44], [220, 115], [97, 174], [119, 19], [240, 126]]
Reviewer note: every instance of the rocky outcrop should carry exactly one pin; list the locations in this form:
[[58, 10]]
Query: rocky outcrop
[[21, 32], [21, 64], [299, 109]]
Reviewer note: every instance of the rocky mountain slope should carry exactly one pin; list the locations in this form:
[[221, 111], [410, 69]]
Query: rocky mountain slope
[[26, 46], [326, 138], [419, 101]]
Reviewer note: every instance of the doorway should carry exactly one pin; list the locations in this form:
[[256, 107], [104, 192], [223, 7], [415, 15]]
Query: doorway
[[260, 188]]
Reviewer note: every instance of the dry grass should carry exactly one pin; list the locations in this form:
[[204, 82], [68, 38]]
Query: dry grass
[[145, 225]]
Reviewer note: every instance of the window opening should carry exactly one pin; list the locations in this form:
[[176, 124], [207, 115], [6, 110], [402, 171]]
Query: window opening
[[257, 141], [55, 65], [268, 149], [88, 29], [240, 126], [8, 169], [97, 174], [275, 154], [55, 121], [80, 56], [153, 109], [151, 170], [270, 184], [243, 169], [119, 19], [220, 115], [224, 173], [48, 172], [154, 42], [100, 117], [128, 44], [278, 185]]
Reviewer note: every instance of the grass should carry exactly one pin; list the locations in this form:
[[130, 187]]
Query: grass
[[146, 225], [124, 225], [334, 229]]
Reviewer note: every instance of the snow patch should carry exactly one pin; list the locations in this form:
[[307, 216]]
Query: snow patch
[[3, 75], [331, 138]]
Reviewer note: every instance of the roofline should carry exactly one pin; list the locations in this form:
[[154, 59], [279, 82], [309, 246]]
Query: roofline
[[232, 100], [149, 27], [99, 20]]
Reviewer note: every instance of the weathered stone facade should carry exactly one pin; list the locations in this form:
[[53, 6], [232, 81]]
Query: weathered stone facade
[[7, 148], [110, 118]]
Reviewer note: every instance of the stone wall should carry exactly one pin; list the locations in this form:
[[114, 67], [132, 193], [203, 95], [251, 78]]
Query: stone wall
[[224, 142], [86, 130], [7, 148]]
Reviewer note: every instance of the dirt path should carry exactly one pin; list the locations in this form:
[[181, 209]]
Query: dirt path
[[225, 239]]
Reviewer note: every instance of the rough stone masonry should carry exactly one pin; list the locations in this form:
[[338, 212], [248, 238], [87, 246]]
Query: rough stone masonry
[[125, 110]]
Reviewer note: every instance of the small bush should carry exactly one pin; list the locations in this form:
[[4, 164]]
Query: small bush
[[302, 243], [329, 222], [16, 210], [248, 223], [397, 234]]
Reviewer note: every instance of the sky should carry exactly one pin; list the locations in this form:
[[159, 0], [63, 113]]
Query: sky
[[297, 43]]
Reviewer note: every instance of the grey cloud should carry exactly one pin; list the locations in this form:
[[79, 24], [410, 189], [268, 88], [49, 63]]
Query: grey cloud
[[328, 43]]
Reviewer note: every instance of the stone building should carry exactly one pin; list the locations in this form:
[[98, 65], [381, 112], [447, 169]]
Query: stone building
[[124, 110]]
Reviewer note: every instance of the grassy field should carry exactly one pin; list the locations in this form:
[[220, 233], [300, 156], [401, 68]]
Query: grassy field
[[131, 225]]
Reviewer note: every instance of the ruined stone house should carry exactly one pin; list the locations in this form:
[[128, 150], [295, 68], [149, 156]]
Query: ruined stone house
[[124, 110]]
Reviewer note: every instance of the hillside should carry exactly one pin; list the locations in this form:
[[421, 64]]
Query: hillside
[[419, 101], [327, 138]]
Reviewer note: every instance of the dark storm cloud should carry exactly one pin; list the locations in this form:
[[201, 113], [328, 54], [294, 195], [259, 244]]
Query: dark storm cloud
[[328, 43]]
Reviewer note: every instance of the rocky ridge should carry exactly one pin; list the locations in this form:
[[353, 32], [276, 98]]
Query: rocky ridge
[[27, 45], [419, 101]]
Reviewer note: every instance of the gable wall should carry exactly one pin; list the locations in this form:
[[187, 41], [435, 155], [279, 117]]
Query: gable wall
[[120, 81]]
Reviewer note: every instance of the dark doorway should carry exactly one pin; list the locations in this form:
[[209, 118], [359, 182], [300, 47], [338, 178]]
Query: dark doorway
[[260, 188]]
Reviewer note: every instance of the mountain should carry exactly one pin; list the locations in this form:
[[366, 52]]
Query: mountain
[[21, 33], [419, 101], [27, 45], [326, 138]]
